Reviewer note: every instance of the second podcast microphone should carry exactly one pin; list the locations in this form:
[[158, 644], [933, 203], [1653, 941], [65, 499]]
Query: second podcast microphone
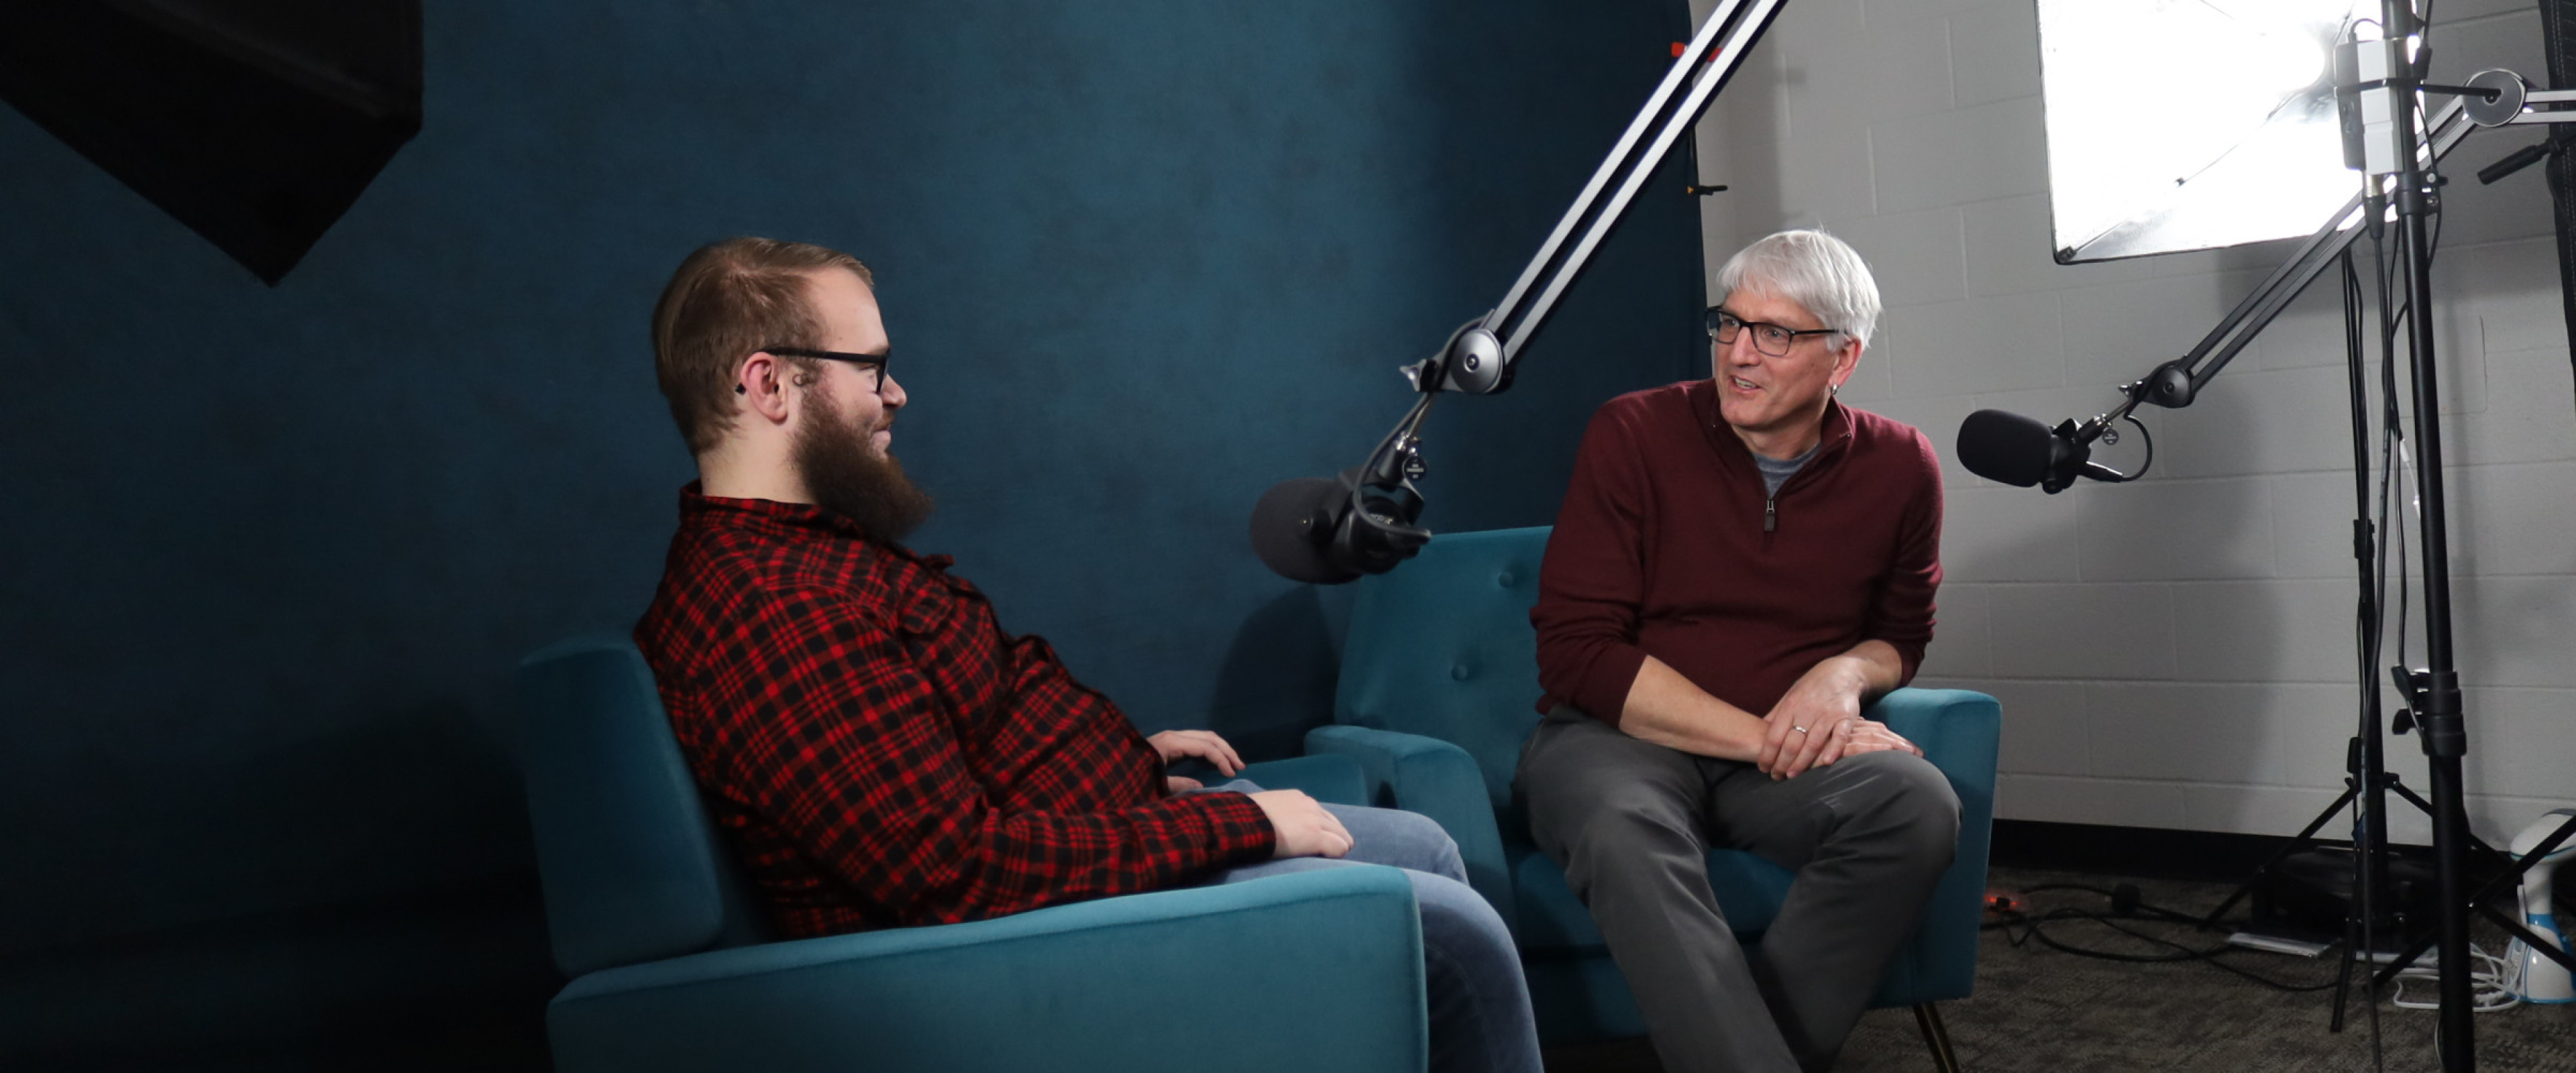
[[1328, 530], [2018, 451]]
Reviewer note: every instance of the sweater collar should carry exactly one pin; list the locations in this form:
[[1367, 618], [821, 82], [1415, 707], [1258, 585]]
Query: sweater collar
[[1831, 439]]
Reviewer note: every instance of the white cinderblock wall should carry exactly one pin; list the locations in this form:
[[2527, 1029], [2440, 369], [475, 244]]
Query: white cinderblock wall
[[2175, 652]]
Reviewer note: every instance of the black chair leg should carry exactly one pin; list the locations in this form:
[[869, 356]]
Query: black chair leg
[[1927, 1017]]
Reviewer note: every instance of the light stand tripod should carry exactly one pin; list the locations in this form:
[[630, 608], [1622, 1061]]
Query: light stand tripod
[[2177, 383], [2379, 85], [2388, 86], [2367, 779]]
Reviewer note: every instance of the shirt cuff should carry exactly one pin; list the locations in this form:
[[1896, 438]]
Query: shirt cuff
[[1909, 658], [1603, 694], [1234, 829]]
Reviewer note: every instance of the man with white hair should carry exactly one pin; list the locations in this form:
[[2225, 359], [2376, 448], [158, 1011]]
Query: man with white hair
[[1740, 566]]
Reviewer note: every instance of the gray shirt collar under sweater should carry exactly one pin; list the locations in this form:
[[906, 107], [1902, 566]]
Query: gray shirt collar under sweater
[[1777, 471]]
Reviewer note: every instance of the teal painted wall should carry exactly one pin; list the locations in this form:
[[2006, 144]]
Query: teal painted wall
[[271, 552]]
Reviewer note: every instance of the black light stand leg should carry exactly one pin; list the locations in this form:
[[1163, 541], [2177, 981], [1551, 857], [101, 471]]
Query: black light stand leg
[[2296, 843], [1927, 1016], [2495, 886], [2473, 845], [2445, 730], [2514, 929]]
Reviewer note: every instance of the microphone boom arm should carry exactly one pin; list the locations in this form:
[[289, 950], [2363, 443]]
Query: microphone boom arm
[[1375, 528], [1706, 64], [2175, 383]]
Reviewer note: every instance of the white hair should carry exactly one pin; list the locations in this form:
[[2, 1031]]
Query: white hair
[[1813, 269]]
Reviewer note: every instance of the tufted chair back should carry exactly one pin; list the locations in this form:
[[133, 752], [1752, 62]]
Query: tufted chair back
[[1424, 655]]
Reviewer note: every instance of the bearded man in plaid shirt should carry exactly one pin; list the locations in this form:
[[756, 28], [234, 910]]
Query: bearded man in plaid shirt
[[880, 753]]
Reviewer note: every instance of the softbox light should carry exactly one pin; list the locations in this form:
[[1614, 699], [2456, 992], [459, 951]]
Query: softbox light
[[2190, 124], [254, 122]]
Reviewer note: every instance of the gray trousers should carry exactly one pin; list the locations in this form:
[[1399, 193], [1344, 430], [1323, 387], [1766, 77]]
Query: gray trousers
[[1632, 823]]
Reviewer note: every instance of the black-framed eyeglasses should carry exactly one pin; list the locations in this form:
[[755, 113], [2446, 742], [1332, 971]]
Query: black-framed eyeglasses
[[1769, 340], [874, 362]]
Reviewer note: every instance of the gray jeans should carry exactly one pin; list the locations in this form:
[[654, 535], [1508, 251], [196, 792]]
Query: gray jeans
[[1478, 1002], [1632, 823]]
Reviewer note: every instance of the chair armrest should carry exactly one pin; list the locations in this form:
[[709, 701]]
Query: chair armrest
[[1332, 779], [1959, 732], [1311, 970], [1436, 779]]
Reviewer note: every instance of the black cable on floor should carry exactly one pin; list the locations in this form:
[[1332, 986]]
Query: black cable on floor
[[2131, 909]]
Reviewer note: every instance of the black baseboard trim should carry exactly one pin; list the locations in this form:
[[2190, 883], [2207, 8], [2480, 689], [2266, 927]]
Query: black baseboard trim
[[2136, 852]]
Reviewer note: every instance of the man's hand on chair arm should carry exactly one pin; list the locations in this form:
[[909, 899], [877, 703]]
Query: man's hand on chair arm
[[1304, 827], [1818, 721], [1667, 709]]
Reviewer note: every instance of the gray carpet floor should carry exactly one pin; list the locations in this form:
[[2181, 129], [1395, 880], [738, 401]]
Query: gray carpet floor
[[2036, 1009]]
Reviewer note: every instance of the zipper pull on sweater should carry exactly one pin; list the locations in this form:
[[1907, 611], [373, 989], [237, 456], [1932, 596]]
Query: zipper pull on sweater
[[1770, 513]]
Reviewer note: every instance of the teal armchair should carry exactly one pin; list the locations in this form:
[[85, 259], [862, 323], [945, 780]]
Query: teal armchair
[[673, 968], [1438, 685]]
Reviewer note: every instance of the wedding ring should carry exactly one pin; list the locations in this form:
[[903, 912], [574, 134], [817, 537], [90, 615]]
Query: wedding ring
[[1799, 729]]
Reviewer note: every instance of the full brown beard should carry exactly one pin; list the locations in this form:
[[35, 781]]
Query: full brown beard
[[848, 477]]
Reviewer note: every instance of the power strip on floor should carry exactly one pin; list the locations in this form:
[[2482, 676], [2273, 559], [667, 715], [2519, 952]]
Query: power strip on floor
[[2277, 945], [2302, 948]]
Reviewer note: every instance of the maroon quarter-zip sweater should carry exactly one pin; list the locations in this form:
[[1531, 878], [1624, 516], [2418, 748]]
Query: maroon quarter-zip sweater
[[1668, 546]]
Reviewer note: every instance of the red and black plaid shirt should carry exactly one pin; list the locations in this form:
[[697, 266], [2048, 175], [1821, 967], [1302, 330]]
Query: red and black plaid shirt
[[882, 754]]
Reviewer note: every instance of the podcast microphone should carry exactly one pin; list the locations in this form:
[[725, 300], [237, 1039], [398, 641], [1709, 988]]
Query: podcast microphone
[[1329, 530], [1289, 527], [2018, 451]]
